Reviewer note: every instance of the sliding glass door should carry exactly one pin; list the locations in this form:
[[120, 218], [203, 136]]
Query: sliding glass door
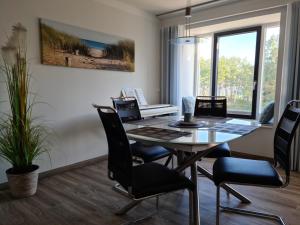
[[235, 69]]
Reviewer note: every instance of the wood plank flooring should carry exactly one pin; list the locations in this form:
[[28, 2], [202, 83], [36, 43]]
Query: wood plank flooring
[[84, 197]]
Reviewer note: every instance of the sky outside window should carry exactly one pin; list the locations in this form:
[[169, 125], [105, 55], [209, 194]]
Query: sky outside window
[[239, 45]]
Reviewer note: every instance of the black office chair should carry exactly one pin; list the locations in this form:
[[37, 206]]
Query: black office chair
[[142, 181], [258, 172], [128, 110]]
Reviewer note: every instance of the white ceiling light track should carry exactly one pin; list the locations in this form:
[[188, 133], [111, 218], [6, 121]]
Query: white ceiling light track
[[186, 38], [196, 7]]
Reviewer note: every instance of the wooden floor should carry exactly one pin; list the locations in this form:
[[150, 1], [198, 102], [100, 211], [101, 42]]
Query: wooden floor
[[84, 197]]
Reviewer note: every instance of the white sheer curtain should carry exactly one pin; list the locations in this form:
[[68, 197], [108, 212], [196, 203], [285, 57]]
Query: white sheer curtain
[[177, 67], [169, 66], [186, 68]]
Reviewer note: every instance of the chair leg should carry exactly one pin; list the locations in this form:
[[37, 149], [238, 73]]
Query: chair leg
[[132, 204], [117, 188], [227, 188], [253, 213], [236, 194], [191, 217], [168, 160], [172, 162], [128, 207], [218, 206], [157, 202]]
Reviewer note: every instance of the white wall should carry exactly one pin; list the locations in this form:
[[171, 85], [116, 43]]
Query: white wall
[[77, 134]]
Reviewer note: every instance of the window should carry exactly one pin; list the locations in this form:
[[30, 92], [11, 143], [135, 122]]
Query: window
[[269, 66], [228, 64], [205, 64], [235, 70]]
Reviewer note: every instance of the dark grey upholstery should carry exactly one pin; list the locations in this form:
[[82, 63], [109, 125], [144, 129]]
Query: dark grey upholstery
[[149, 153], [222, 150], [128, 110], [259, 172], [215, 106], [211, 106], [153, 178], [140, 181], [267, 114], [284, 135], [247, 171]]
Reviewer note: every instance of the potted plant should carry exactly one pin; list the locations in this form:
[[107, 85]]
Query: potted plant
[[21, 137]]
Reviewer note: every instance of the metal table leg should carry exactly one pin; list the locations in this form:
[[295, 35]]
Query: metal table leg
[[191, 208], [195, 202]]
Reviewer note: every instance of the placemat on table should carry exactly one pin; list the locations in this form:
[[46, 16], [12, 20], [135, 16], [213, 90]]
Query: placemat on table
[[192, 124], [158, 133], [233, 128]]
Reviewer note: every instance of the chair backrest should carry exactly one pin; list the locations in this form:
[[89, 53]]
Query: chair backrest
[[127, 108], [211, 106], [284, 135], [119, 152]]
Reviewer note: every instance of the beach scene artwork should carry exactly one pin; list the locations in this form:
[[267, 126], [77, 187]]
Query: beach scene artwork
[[70, 46]]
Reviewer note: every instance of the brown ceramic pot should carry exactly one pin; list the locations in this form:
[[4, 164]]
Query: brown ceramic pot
[[23, 184]]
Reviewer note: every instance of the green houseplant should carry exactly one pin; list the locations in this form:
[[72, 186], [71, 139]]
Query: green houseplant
[[21, 137]]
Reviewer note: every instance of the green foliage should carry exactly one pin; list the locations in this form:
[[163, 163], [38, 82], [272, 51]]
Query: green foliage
[[21, 141], [270, 70], [235, 78], [59, 40], [204, 78]]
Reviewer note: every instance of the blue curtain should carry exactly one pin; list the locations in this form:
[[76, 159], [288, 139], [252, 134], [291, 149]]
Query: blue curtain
[[169, 72], [293, 74]]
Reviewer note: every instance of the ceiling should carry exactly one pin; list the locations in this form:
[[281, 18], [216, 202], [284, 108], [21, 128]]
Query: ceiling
[[248, 22], [161, 6]]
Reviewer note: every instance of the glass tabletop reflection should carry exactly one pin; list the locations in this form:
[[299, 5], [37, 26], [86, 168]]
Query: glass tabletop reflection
[[213, 131]]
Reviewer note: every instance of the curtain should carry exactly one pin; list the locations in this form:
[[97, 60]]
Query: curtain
[[293, 74], [169, 72], [177, 67]]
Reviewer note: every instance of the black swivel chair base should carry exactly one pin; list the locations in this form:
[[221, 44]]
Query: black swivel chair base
[[243, 212]]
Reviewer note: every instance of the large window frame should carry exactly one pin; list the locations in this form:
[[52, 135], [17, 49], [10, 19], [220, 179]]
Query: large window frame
[[255, 103], [258, 30]]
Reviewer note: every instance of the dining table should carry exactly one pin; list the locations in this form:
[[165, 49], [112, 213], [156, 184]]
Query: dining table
[[173, 133]]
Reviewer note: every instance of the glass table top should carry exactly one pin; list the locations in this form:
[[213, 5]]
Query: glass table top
[[214, 130]]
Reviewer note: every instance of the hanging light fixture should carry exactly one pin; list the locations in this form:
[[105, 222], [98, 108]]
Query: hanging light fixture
[[187, 38]]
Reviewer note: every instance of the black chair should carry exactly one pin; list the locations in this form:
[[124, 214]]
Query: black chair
[[128, 110], [215, 106], [211, 106], [142, 181], [258, 172]]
